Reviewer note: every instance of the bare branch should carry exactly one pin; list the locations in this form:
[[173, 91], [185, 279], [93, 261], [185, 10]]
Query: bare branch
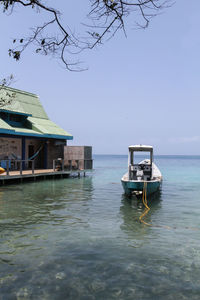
[[106, 17], [6, 97]]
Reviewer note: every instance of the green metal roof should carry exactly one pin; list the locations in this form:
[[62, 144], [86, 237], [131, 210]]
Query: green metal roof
[[4, 125], [38, 124]]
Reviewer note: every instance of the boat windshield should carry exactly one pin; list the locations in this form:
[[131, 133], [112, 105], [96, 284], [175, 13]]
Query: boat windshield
[[139, 156], [136, 157], [140, 165]]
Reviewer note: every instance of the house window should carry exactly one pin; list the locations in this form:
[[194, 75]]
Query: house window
[[4, 116], [15, 118]]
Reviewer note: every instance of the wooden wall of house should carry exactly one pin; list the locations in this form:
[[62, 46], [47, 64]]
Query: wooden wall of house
[[55, 150], [10, 148], [83, 154], [36, 143]]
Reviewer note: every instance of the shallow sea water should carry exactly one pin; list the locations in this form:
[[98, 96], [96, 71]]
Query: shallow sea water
[[82, 239]]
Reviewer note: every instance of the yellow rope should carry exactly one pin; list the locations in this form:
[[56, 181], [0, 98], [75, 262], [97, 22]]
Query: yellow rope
[[144, 200], [147, 209]]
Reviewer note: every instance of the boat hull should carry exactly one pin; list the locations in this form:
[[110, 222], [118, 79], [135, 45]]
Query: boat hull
[[137, 186]]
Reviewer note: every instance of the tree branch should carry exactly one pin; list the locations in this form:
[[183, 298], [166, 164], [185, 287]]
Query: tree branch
[[106, 17]]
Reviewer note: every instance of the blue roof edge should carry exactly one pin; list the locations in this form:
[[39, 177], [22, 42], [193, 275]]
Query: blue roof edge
[[7, 131], [15, 112], [51, 136]]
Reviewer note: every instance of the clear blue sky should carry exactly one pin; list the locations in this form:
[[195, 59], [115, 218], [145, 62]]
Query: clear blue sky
[[141, 89]]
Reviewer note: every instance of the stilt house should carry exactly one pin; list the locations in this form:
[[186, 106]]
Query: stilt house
[[26, 132]]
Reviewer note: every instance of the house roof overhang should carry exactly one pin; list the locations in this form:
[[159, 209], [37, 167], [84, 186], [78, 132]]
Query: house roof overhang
[[37, 122]]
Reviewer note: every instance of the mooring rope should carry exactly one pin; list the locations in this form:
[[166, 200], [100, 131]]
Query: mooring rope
[[147, 208]]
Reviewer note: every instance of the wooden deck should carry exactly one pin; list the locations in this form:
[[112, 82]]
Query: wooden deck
[[15, 176]]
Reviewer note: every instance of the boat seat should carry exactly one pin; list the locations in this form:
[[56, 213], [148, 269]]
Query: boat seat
[[133, 175], [133, 172], [147, 173], [134, 168]]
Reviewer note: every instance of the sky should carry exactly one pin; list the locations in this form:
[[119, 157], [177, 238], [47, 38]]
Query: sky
[[139, 89]]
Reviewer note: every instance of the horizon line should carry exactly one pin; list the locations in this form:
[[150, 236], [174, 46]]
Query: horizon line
[[154, 154]]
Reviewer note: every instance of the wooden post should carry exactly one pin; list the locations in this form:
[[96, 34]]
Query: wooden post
[[7, 167], [33, 166], [54, 165], [77, 161], [20, 167], [63, 164], [23, 152], [70, 164]]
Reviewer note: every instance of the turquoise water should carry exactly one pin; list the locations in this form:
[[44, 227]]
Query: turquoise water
[[81, 238]]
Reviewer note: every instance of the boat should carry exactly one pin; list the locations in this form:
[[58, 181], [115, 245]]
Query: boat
[[2, 170], [141, 176]]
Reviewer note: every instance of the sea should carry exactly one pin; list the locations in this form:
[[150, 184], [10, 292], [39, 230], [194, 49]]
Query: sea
[[81, 238]]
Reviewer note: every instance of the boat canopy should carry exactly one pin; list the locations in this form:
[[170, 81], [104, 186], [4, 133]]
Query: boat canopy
[[144, 148]]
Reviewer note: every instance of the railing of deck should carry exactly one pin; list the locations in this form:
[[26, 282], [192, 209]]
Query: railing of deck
[[59, 165], [23, 165], [17, 165]]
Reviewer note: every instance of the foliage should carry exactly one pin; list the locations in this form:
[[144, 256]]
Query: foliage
[[6, 97]]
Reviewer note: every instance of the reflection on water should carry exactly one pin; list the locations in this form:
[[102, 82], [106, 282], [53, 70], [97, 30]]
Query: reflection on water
[[131, 209], [82, 239], [40, 202]]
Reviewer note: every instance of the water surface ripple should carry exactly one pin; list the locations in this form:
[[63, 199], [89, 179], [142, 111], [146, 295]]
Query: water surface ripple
[[81, 238]]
